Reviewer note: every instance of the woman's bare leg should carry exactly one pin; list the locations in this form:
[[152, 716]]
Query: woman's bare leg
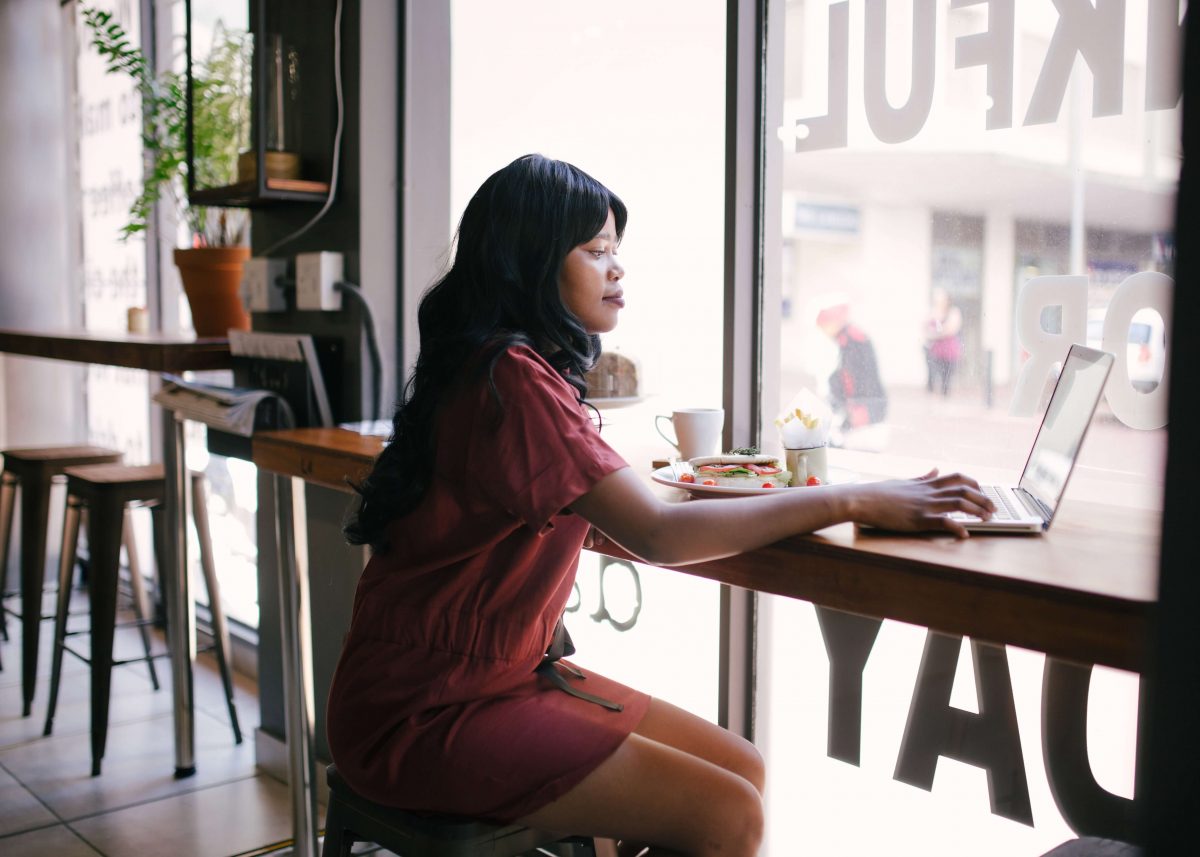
[[671, 725], [679, 782]]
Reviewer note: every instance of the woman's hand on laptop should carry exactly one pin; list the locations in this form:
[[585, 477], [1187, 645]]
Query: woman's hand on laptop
[[923, 503]]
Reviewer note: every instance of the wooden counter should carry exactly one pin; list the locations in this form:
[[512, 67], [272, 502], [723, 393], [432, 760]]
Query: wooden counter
[[154, 352], [1083, 591]]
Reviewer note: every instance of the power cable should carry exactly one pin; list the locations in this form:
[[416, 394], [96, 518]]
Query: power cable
[[372, 345]]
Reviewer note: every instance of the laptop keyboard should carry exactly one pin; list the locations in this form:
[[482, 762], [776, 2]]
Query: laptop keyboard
[[1004, 509]]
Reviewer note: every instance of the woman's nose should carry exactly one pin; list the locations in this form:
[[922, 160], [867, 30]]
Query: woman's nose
[[617, 271]]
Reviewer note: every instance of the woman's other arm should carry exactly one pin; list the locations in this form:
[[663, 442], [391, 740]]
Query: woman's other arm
[[624, 508]]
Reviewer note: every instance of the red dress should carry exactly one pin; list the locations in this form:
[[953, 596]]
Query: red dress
[[435, 705]]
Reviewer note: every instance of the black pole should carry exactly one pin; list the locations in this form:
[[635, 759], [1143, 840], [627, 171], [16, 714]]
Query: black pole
[[1169, 771]]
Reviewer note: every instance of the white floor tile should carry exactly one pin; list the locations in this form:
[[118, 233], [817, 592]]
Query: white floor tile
[[211, 822], [57, 841], [138, 765], [20, 809]]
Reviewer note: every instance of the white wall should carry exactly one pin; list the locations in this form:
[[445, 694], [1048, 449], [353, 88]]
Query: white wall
[[36, 272]]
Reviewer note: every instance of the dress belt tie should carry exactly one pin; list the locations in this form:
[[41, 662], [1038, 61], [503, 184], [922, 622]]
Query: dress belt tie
[[548, 669]]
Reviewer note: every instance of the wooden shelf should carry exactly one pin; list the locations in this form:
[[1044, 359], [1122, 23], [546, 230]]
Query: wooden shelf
[[247, 194]]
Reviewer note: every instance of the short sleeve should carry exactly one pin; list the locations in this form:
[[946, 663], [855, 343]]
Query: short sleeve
[[543, 452]]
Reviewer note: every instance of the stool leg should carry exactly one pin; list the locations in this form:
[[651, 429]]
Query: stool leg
[[8, 490], [338, 841], [35, 512], [66, 569], [141, 605], [105, 519], [220, 626], [158, 533]]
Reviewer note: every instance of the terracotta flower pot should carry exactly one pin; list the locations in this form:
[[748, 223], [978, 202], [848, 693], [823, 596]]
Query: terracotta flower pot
[[212, 279]]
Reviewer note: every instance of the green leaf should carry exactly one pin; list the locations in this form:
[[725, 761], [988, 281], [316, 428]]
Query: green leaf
[[221, 127]]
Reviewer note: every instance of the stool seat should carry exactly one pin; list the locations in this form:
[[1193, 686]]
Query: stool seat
[[32, 470], [57, 457], [129, 482], [352, 818]]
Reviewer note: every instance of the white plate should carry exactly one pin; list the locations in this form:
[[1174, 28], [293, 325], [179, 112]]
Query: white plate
[[602, 403], [837, 476]]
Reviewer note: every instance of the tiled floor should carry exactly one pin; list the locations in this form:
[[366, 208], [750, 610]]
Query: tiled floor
[[51, 805]]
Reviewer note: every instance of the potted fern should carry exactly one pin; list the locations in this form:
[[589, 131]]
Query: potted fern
[[211, 267]]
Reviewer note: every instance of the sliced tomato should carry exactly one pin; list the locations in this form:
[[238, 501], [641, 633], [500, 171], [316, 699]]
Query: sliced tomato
[[759, 469], [768, 485], [709, 482], [687, 477], [814, 480]]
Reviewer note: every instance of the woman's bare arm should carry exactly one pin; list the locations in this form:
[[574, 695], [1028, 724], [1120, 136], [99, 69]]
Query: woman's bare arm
[[624, 508]]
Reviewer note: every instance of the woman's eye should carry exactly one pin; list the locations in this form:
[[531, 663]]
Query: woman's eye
[[597, 253]]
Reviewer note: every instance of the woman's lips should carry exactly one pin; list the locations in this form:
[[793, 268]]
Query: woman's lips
[[617, 300]]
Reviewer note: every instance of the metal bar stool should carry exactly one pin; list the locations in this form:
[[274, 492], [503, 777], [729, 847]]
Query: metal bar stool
[[105, 491], [73, 517], [351, 818], [33, 470]]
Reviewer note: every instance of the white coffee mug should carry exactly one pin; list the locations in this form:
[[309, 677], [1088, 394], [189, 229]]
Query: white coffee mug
[[803, 463], [697, 430]]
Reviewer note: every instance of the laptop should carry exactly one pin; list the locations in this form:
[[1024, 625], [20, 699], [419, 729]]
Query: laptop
[[1029, 506]]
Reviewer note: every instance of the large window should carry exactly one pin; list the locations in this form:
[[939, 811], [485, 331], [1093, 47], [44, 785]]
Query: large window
[[109, 129], [937, 163], [108, 123], [633, 93]]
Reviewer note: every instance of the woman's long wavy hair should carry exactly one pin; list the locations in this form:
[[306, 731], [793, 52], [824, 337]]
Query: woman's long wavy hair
[[502, 289]]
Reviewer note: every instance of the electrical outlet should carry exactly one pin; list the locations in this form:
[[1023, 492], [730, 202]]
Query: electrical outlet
[[260, 289], [315, 275]]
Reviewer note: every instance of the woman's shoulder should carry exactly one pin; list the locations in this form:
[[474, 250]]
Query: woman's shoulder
[[519, 366], [521, 354]]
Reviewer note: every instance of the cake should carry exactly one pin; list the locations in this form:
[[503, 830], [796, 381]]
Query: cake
[[613, 376]]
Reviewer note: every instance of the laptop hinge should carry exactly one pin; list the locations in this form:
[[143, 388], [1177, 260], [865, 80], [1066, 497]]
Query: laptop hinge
[[1036, 505]]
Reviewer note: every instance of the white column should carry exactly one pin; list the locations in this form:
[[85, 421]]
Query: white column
[[425, 212], [379, 159], [37, 279], [999, 278]]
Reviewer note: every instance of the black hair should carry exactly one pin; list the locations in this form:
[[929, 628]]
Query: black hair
[[501, 290]]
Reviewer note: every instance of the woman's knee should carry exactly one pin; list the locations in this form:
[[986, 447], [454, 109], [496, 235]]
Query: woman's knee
[[747, 763], [736, 821], [753, 822], [757, 770]]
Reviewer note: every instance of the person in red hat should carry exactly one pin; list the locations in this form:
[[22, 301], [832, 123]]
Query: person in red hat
[[855, 387]]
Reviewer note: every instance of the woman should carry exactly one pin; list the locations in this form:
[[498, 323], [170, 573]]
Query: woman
[[943, 347], [445, 698]]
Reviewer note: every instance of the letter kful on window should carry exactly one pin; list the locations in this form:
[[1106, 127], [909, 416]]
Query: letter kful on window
[[1092, 32]]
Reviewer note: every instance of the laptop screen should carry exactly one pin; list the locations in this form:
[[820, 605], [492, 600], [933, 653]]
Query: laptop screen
[[1079, 387]]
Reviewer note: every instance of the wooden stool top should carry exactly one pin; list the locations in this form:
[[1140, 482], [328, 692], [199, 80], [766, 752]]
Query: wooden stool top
[[53, 460], [126, 482]]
